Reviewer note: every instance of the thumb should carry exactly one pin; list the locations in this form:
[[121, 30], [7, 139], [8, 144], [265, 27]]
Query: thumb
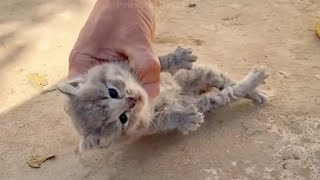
[[147, 68]]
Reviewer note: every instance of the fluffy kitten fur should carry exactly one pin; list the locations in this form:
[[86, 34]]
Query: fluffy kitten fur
[[108, 103]]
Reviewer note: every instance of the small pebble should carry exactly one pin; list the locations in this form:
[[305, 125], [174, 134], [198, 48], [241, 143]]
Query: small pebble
[[268, 126], [286, 156], [306, 140], [285, 165], [192, 5], [296, 157]]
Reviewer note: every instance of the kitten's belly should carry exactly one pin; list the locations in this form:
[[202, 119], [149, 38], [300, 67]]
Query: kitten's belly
[[169, 90]]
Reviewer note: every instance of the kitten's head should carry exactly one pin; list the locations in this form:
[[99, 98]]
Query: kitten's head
[[106, 104]]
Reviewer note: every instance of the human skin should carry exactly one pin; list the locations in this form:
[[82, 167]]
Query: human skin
[[119, 30]]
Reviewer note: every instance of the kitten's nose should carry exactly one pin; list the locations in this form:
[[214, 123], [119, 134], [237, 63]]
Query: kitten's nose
[[131, 101]]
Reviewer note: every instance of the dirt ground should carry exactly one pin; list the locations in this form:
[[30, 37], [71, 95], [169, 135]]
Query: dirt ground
[[280, 140]]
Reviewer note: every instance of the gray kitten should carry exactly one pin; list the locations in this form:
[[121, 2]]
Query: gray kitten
[[108, 103]]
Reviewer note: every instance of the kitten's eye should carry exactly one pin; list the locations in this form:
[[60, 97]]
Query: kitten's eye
[[123, 118], [113, 93]]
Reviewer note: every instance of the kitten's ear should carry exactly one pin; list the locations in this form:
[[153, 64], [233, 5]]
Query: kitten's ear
[[89, 142], [72, 86]]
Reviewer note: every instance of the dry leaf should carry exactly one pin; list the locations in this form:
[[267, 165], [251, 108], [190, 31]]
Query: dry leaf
[[36, 161], [318, 29], [192, 5], [317, 76], [49, 90], [38, 80]]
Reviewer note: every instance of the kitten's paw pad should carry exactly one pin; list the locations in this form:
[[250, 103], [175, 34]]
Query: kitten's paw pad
[[184, 58], [88, 143], [191, 121]]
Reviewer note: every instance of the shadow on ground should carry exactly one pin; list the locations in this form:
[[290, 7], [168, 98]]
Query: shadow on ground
[[20, 132], [22, 16]]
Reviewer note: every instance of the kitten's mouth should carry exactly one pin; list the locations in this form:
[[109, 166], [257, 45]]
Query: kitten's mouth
[[135, 102]]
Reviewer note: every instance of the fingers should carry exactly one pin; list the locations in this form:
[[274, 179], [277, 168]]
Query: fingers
[[81, 63], [147, 69], [148, 72], [152, 89]]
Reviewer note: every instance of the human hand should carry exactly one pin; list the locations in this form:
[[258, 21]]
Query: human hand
[[119, 30]]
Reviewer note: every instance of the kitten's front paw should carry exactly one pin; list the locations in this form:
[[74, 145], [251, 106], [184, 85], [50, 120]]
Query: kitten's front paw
[[191, 120], [184, 58], [88, 143]]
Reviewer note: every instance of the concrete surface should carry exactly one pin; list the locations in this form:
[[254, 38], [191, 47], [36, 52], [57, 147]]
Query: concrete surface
[[278, 141]]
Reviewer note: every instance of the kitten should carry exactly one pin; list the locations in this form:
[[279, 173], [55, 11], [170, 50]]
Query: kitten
[[108, 103]]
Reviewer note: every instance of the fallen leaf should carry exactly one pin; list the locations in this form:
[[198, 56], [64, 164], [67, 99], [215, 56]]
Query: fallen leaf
[[317, 76], [318, 29], [192, 5], [37, 160], [37, 79], [49, 90]]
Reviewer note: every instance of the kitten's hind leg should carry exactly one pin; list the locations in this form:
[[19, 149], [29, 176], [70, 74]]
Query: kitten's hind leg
[[212, 101], [201, 78], [176, 116]]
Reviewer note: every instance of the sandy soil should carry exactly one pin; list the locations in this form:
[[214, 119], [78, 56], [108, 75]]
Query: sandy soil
[[277, 141]]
